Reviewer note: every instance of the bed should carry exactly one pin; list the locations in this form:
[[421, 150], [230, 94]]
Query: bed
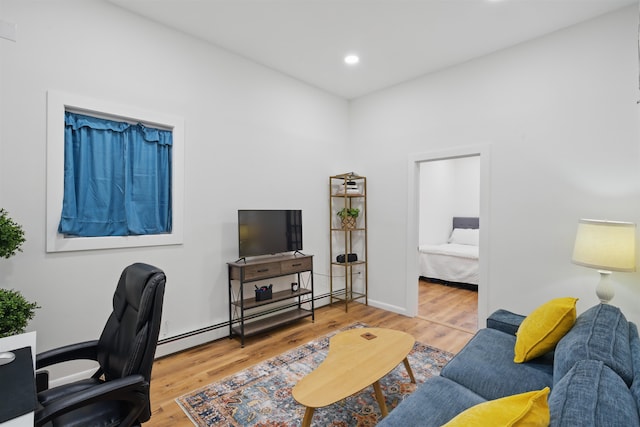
[[455, 262]]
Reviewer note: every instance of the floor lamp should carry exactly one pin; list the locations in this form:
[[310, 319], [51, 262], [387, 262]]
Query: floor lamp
[[607, 246]]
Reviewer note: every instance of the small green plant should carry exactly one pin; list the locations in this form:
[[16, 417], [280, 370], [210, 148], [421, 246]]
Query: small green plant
[[15, 312], [348, 212], [11, 236]]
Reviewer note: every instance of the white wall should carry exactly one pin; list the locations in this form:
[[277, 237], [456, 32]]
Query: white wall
[[254, 139], [448, 188], [560, 116]]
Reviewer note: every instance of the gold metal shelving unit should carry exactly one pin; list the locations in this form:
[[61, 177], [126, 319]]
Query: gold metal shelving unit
[[348, 279]]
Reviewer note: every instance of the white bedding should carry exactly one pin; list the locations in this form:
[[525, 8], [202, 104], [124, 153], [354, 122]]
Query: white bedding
[[451, 262]]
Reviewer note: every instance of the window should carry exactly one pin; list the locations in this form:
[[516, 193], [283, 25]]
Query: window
[[117, 178], [131, 194]]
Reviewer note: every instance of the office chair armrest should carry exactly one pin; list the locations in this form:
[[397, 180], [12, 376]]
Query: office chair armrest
[[84, 350], [133, 389]]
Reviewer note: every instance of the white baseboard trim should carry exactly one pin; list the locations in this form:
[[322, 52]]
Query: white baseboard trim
[[55, 382], [388, 307], [165, 349]]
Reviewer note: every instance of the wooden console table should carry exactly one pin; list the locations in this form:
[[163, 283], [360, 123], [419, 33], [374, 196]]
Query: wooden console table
[[247, 316]]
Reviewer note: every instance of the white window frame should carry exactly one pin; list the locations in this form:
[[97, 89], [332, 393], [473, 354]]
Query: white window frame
[[57, 104]]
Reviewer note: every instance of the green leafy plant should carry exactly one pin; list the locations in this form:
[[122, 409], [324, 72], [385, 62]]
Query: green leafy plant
[[11, 235], [348, 212], [15, 312]]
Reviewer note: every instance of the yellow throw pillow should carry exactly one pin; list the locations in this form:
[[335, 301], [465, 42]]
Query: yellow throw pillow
[[541, 330], [520, 410]]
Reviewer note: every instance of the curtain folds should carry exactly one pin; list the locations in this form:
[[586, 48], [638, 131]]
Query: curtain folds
[[117, 178]]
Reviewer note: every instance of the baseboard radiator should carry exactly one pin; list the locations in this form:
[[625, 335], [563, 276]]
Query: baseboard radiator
[[225, 324]]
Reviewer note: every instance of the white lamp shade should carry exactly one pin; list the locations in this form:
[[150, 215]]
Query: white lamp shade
[[605, 245]]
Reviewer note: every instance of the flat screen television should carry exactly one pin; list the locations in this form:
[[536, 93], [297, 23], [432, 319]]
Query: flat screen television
[[265, 232]]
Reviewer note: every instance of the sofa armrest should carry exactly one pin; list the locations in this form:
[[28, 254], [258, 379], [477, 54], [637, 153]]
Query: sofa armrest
[[505, 321]]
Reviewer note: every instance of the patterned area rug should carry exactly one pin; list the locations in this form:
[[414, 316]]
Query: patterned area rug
[[261, 395]]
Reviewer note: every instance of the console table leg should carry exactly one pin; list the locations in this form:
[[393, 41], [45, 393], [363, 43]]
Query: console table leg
[[409, 371], [380, 399], [308, 414]]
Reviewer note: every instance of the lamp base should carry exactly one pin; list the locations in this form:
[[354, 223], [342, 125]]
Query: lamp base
[[604, 290]]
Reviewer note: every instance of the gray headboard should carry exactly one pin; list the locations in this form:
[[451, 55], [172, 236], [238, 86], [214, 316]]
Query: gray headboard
[[466, 222]]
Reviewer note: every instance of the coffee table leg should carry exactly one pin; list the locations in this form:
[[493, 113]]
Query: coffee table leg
[[308, 414], [409, 371], [380, 399]]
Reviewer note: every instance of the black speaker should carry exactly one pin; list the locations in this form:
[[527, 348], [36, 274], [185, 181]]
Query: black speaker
[[350, 258]]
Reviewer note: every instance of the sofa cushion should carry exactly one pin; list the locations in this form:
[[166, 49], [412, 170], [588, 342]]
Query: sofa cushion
[[434, 402], [526, 409], [591, 394], [541, 330], [485, 366], [600, 333]]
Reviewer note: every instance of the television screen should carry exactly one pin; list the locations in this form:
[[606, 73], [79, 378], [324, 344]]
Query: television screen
[[265, 232]]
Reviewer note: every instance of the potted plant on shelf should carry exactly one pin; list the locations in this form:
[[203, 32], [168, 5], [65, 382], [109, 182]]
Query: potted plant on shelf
[[15, 310], [11, 235], [348, 216]]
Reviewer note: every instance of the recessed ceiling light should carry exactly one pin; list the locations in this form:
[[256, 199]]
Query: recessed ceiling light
[[351, 59]]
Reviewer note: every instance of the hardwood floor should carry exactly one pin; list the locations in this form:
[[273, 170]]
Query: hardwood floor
[[448, 305], [178, 374]]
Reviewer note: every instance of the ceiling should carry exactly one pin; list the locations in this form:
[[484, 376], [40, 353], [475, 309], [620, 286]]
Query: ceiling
[[397, 40]]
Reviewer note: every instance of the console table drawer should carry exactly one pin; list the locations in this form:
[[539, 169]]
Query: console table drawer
[[296, 265], [260, 271]]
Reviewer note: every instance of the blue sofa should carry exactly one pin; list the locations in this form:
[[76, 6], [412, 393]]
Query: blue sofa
[[593, 373]]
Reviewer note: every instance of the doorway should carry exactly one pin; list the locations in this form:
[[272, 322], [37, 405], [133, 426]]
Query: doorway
[[448, 264], [413, 224]]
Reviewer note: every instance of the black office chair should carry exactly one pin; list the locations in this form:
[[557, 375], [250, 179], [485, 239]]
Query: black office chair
[[118, 393]]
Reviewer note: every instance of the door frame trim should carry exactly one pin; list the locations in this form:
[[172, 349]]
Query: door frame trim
[[413, 187]]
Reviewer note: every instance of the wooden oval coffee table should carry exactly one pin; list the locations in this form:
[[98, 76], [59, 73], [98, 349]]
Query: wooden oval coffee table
[[357, 358]]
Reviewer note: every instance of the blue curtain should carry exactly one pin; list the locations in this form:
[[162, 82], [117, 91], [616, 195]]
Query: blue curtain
[[117, 178]]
